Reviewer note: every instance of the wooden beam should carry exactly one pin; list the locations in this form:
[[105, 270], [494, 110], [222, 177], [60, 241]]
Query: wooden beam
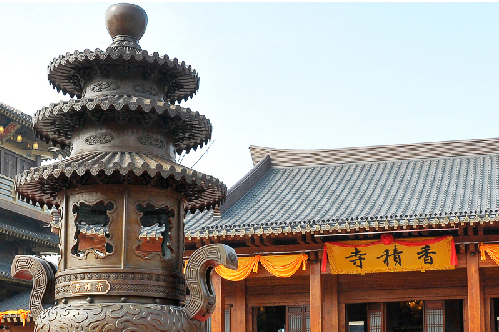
[[218, 317], [476, 321], [238, 312], [315, 297], [274, 248], [470, 229], [309, 238], [250, 241], [268, 240], [301, 238], [258, 241], [477, 238]]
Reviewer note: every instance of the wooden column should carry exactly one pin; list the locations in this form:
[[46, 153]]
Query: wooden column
[[475, 312], [342, 324], [238, 312], [218, 317], [315, 297], [330, 322], [249, 319]]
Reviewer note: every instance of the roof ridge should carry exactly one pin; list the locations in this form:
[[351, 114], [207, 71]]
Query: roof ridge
[[315, 157], [248, 181]]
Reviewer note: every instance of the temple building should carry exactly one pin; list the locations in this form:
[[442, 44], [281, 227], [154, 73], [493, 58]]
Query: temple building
[[378, 239], [24, 229]]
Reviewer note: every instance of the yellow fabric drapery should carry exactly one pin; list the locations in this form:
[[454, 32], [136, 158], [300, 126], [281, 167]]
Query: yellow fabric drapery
[[244, 268], [491, 249], [282, 266], [21, 312]]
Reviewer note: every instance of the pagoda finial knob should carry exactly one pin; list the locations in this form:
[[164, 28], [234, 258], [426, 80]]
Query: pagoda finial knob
[[126, 23]]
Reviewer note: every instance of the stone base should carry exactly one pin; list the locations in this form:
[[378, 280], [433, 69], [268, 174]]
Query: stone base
[[115, 317]]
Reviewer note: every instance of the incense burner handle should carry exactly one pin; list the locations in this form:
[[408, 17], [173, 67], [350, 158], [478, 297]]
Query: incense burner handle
[[42, 272], [198, 278]]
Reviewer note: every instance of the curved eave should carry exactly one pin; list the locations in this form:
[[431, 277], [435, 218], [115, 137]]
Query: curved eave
[[7, 277], [61, 69], [16, 115], [22, 234], [332, 228], [198, 135], [42, 184]]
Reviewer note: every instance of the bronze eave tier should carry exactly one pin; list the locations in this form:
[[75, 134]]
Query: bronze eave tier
[[57, 122], [69, 73], [42, 184]]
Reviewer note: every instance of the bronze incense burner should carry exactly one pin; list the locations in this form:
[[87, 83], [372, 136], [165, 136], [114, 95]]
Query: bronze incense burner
[[120, 196]]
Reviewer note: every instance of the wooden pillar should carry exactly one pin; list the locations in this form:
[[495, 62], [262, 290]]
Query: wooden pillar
[[238, 312], [315, 297], [487, 317], [249, 319], [218, 317], [330, 321], [342, 324], [475, 312]]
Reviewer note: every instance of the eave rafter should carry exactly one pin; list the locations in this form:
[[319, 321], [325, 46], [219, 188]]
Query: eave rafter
[[310, 233]]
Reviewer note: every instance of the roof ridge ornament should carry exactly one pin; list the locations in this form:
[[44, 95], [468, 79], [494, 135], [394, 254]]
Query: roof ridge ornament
[[126, 23]]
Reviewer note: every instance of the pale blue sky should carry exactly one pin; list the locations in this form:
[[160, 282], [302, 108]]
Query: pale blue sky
[[290, 75]]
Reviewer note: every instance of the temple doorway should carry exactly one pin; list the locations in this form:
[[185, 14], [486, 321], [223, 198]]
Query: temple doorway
[[282, 318], [406, 316], [495, 314]]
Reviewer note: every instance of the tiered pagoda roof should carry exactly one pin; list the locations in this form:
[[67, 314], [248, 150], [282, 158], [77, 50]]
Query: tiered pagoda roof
[[123, 126]]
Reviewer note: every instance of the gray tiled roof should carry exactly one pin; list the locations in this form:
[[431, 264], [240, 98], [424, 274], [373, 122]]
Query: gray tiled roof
[[197, 221], [20, 231], [5, 268], [5, 263], [389, 190], [16, 114], [19, 301]]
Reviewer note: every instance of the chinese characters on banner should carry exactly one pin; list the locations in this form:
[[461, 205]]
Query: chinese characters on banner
[[390, 255]]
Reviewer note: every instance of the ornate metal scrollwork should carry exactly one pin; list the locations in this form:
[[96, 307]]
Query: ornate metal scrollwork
[[99, 139], [104, 86], [43, 272], [145, 88], [151, 141], [114, 317], [197, 273]]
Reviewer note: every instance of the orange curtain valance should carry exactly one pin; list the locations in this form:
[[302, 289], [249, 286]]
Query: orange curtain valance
[[282, 266], [492, 250], [23, 313]]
